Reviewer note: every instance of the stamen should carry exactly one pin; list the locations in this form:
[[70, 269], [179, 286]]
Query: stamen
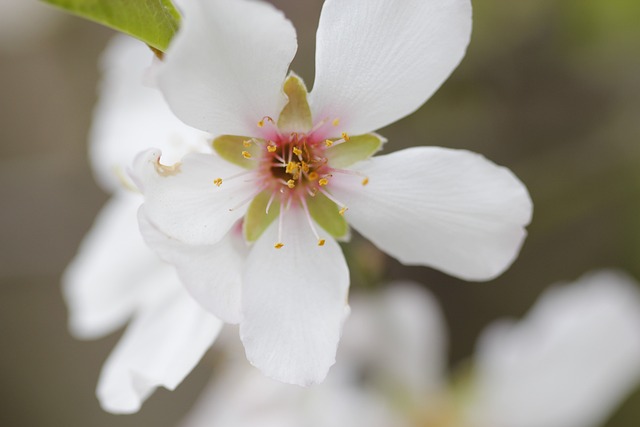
[[365, 181], [246, 143], [323, 181], [328, 142], [246, 154], [345, 136], [267, 118], [297, 151], [321, 242], [279, 243], [343, 208], [217, 182], [273, 195], [336, 121], [291, 184], [271, 147]]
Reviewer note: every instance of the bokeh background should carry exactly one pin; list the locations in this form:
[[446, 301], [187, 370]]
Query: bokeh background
[[549, 88]]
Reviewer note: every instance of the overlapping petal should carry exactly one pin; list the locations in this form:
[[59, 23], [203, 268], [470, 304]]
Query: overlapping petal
[[449, 209], [159, 348], [211, 273], [183, 201], [105, 281], [225, 68], [379, 60], [130, 116], [568, 363], [294, 303]]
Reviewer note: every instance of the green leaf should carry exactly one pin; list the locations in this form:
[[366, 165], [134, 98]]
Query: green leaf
[[234, 149], [327, 215], [296, 115], [153, 21], [256, 219], [357, 148]]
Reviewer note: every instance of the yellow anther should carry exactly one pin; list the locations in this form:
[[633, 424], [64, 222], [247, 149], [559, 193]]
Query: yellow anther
[[271, 148], [278, 245], [267, 118], [323, 181], [345, 136], [291, 183], [297, 151], [328, 142], [292, 168], [313, 176], [246, 154], [336, 122], [305, 167], [217, 182], [343, 210], [246, 143], [365, 181], [321, 242]]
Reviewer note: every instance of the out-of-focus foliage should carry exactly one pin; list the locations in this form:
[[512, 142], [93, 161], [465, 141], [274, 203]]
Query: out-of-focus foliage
[[152, 21]]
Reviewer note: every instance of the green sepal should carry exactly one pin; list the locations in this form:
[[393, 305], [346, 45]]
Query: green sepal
[[230, 148], [357, 148], [327, 215], [155, 22], [256, 220], [296, 115]]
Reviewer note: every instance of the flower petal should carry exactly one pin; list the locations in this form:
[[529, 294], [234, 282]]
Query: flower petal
[[379, 60], [130, 117], [211, 273], [400, 335], [160, 347], [184, 202], [225, 68], [103, 284], [569, 363], [294, 303], [448, 209]]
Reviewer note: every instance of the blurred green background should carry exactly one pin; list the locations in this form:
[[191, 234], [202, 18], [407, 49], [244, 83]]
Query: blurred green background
[[550, 89]]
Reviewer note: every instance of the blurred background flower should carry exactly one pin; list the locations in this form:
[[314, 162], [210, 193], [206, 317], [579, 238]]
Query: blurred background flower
[[548, 89]]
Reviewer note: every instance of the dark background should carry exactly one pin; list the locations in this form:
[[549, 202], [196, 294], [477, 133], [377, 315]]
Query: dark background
[[548, 88]]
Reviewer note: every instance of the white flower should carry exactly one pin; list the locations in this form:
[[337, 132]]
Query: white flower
[[568, 363], [115, 276], [294, 168]]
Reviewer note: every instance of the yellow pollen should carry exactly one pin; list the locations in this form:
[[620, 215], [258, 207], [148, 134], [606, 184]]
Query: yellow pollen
[[267, 118], [321, 242], [291, 183], [278, 245], [365, 181], [345, 136], [246, 143], [328, 143], [217, 182], [297, 151], [292, 168], [271, 148], [323, 181], [343, 210], [246, 154], [305, 167], [336, 122], [313, 176]]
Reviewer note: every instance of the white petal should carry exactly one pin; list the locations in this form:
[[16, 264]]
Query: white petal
[[104, 282], [569, 363], [294, 301], [379, 60], [225, 68], [211, 273], [183, 201], [400, 336], [448, 209], [160, 347], [130, 117]]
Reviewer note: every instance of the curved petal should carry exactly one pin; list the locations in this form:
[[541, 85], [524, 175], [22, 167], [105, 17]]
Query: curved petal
[[211, 273], [569, 363], [130, 117], [184, 202], [225, 68], [105, 281], [400, 335], [380, 60], [294, 302], [448, 209], [160, 347]]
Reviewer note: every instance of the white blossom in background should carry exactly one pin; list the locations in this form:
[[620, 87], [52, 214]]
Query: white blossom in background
[[569, 363], [116, 278], [294, 167]]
